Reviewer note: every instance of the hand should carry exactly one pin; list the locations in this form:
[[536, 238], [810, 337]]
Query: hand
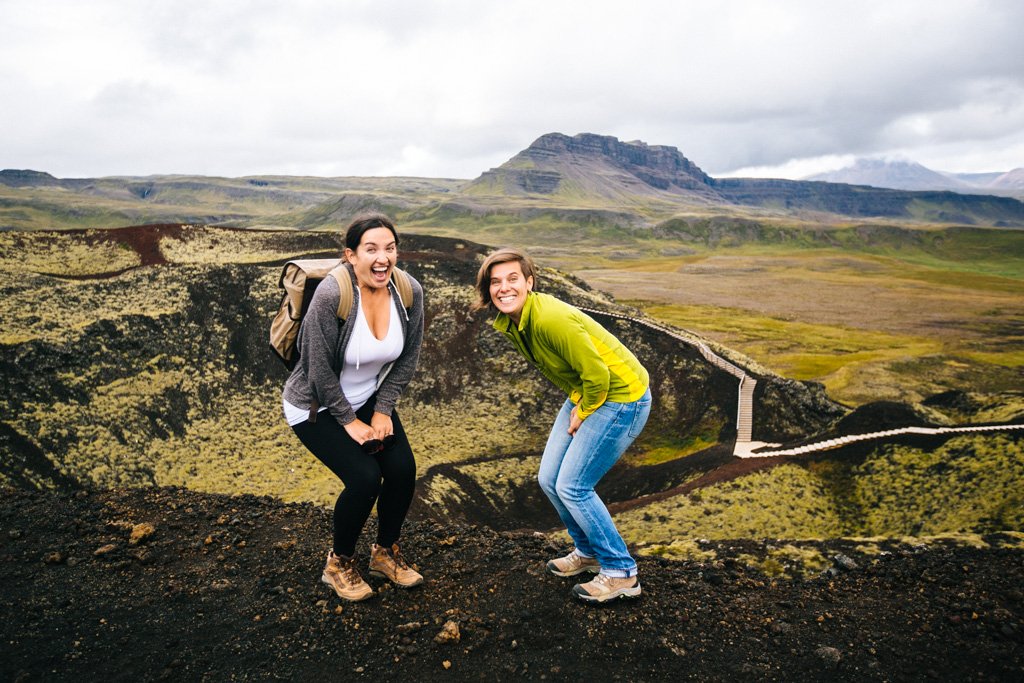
[[359, 431], [382, 425], [575, 421]]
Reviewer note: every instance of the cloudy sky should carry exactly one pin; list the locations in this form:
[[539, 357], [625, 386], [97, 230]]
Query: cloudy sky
[[450, 88]]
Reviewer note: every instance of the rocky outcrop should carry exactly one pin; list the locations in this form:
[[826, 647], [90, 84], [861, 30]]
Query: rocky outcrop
[[864, 201], [591, 161], [26, 178]]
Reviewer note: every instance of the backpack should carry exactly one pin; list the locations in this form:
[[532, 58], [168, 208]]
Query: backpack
[[299, 279]]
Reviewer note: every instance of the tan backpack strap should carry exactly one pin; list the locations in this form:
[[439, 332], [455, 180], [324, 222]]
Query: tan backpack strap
[[402, 284], [344, 279]]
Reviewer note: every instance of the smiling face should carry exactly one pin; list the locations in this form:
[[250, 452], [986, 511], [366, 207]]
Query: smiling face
[[509, 288], [374, 258]]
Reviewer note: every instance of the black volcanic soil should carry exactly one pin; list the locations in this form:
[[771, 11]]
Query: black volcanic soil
[[227, 588]]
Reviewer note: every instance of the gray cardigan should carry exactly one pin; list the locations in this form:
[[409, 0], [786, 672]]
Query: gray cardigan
[[322, 342]]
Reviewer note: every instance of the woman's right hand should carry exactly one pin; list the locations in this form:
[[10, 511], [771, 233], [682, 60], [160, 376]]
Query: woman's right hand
[[360, 431]]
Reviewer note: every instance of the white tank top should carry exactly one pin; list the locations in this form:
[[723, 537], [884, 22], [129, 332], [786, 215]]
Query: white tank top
[[365, 357]]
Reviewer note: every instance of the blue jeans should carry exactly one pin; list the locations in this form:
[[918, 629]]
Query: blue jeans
[[571, 467]]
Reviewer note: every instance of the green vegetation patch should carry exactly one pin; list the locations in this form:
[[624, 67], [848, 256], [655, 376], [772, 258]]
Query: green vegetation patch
[[57, 310], [67, 255], [788, 561], [970, 485], [786, 501], [680, 549]]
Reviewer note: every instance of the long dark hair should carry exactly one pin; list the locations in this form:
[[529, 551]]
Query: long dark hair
[[367, 221]]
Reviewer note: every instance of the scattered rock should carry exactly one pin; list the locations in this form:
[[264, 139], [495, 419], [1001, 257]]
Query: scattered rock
[[829, 654], [105, 549], [55, 557], [449, 633], [844, 562], [141, 532], [409, 627]]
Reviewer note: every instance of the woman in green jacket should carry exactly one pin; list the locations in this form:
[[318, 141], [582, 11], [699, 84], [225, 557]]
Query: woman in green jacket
[[609, 401]]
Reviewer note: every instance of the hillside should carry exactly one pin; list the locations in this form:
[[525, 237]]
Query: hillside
[[227, 588], [138, 357]]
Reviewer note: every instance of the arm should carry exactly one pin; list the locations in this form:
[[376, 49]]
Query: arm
[[319, 338], [570, 340], [405, 366]]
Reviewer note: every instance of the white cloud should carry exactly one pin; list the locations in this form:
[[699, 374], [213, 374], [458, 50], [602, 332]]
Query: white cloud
[[453, 87]]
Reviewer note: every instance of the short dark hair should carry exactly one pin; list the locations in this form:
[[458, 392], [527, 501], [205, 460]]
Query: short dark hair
[[363, 222], [483, 276]]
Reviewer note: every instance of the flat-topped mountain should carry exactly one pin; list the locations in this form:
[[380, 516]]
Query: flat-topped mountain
[[598, 165]]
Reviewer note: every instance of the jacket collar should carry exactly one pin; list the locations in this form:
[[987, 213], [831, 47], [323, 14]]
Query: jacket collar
[[503, 323]]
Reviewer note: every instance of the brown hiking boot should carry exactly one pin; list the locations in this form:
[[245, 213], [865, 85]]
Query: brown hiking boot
[[389, 564], [603, 588], [341, 575], [573, 564]]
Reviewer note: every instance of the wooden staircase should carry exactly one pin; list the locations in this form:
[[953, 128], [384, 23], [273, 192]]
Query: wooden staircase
[[745, 446]]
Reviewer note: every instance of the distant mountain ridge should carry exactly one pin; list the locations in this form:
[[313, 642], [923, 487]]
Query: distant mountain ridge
[[559, 167], [910, 175], [584, 179]]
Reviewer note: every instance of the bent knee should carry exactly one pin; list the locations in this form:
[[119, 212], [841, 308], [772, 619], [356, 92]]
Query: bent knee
[[570, 492]]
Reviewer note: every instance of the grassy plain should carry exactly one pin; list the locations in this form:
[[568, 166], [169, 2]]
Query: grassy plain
[[869, 327]]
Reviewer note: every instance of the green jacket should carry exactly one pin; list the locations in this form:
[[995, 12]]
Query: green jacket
[[573, 351]]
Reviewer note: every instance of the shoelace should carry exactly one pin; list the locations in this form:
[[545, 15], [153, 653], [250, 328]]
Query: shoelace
[[399, 560], [349, 571]]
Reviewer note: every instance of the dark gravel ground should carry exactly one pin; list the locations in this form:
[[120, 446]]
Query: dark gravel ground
[[227, 588]]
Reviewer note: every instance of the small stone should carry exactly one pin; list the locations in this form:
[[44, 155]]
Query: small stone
[[409, 627], [449, 633], [105, 550], [446, 664], [829, 654], [782, 627], [14, 534], [56, 557], [844, 562], [141, 532]]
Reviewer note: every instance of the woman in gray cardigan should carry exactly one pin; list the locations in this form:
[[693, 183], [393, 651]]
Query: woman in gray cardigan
[[340, 401]]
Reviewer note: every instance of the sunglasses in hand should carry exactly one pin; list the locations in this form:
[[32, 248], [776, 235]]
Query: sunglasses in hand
[[374, 446]]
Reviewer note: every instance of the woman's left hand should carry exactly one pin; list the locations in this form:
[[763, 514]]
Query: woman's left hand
[[574, 421], [382, 425]]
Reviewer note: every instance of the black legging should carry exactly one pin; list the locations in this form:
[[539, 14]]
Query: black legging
[[387, 478]]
